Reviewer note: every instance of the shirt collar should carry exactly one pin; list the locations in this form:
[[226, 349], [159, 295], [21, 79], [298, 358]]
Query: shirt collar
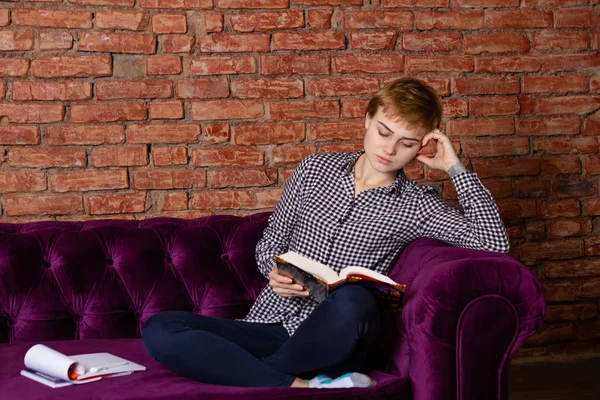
[[395, 188]]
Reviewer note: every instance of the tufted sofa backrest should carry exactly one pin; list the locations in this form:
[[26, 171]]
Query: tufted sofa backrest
[[104, 279]]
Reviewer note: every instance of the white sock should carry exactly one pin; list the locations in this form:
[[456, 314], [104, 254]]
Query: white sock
[[353, 379]]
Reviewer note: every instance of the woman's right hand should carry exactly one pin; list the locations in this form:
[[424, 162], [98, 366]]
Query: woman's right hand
[[285, 286]]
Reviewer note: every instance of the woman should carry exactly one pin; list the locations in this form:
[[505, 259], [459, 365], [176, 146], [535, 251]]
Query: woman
[[340, 209]]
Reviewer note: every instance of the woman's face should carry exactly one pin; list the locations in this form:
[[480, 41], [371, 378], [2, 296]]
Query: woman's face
[[389, 144]]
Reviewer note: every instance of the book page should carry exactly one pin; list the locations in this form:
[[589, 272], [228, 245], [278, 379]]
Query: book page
[[366, 272], [51, 362], [311, 266]]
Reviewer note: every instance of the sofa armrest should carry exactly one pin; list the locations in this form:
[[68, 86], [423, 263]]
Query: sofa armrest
[[466, 313]]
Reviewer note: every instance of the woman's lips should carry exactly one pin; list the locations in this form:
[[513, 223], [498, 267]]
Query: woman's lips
[[383, 160]]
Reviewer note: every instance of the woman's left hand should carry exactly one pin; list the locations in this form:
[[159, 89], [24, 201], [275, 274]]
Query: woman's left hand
[[445, 156]]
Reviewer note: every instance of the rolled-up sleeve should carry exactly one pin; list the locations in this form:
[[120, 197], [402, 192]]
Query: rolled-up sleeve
[[479, 226], [277, 235]]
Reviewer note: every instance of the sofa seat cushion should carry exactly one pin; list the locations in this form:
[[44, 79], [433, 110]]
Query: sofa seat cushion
[[157, 382]]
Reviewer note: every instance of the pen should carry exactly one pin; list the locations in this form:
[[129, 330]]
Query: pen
[[105, 367]]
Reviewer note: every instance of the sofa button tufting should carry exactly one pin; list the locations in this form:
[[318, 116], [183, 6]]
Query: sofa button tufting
[[10, 322], [109, 262], [46, 264], [168, 259], [78, 319], [137, 315], [225, 257]]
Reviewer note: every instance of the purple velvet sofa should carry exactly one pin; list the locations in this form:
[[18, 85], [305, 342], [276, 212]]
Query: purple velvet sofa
[[82, 287]]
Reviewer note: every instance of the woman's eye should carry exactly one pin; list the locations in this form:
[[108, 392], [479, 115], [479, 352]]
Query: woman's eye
[[409, 146], [383, 134]]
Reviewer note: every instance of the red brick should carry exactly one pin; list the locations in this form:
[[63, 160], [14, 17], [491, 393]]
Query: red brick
[[47, 157], [571, 312], [55, 40], [170, 155], [447, 63], [508, 64], [558, 208], [455, 108], [517, 19], [498, 187], [117, 203], [216, 133], [177, 43], [495, 147], [108, 112], [2, 89], [573, 186], [166, 109], [551, 250], [235, 199], [353, 147], [506, 167], [592, 207], [555, 84], [72, 66], [556, 332], [330, 87], [267, 21], [591, 289], [174, 201], [52, 18], [18, 40], [138, 89], [137, 43], [208, 88], [169, 179], [252, 3], [368, 63], [213, 22], [163, 65], [119, 156], [592, 246], [302, 64], [32, 113], [591, 126], [548, 3], [319, 19], [89, 180], [48, 204], [300, 110], [373, 40], [245, 177], [13, 67], [571, 62], [568, 227], [224, 156], [347, 130], [179, 4], [576, 18], [486, 3], [566, 145], [496, 43], [229, 43], [495, 85], [227, 109], [497, 105], [163, 133], [4, 17], [113, 19], [559, 40], [515, 208], [119, 3], [592, 165], [19, 135], [291, 154], [401, 20], [481, 127], [353, 107], [254, 134], [58, 135], [329, 2], [169, 23], [549, 126], [21, 181], [450, 20], [222, 65], [282, 88], [414, 3], [432, 42], [327, 40], [568, 105], [561, 165], [66, 90]]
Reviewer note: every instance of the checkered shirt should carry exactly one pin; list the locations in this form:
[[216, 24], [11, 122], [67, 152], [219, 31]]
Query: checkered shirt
[[319, 217]]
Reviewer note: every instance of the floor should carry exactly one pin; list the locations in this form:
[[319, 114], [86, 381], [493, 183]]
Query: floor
[[574, 380]]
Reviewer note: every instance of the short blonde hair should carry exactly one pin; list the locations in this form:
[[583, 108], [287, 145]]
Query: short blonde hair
[[410, 100]]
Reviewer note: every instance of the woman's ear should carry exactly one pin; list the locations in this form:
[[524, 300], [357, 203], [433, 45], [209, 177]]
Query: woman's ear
[[367, 120]]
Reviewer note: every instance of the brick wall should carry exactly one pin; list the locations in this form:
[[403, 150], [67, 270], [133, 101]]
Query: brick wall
[[132, 109]]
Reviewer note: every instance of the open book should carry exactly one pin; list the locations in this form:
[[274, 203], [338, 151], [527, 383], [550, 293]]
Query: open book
[[320, 280], [54, 369]]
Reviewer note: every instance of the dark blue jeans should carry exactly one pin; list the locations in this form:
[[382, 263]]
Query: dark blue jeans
[[337, 337]]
